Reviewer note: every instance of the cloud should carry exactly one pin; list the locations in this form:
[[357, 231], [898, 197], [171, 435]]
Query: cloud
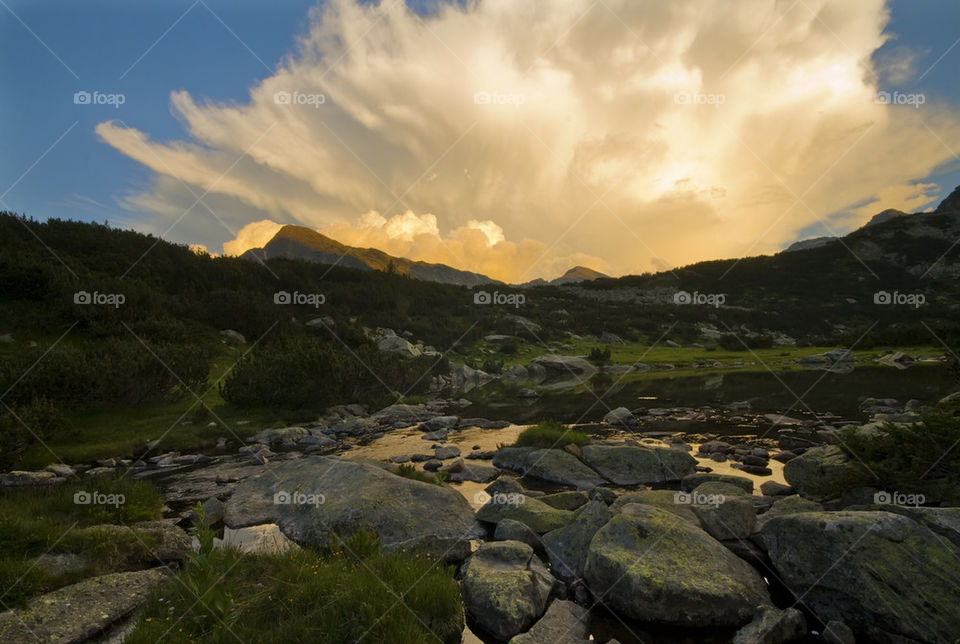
[[256, 234], [519, 137]]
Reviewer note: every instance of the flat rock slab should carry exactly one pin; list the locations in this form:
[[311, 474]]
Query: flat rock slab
[[80, 611]]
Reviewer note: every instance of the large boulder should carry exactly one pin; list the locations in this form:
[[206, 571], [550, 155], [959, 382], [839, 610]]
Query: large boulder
[[505, 588], [401, 415], [564, 623], [81, 611], [773, 626], [567, 546], [887, 577], [563, 367], [690, 483], [653, 566], [730, 518], [312, 498], [823, 472], [631, 465], [621, 417]]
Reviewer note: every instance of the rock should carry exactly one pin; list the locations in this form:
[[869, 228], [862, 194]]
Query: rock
[[866, 569], [439, 435], [439, 422], [59, 565], [432, 465], [60, 469], [693, 481], [564, 623], [773, 626], [566, 500], [621, 417], [604, 494], [527, 393], [213, 511], [402, 458], [448, 451], [398, 345], [715, 447], [567, 546], [788, 505], [483, 423], [276, 437], [823, 472], [81, 611], [652, 566], [943, 521], [505, 588], [317, 496], [835, 361], [19, 478], [475, 473], [628, 465], [784, 456], [731, 518], [233, 336], [836, 632], [564, 367], [401, 415], [510, 530], [772, 488], [552, 465], [756, 470], [951, 399], [353, 427], [667, 500], [536, 514]]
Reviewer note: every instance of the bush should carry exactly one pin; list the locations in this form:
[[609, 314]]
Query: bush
[[599, 355], [550, 433], [408, 471], [350, 593]]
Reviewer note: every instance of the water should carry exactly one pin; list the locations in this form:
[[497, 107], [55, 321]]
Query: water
[[767, 392]]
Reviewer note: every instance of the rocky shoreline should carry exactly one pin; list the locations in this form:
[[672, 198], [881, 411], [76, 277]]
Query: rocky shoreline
[[749, 538]]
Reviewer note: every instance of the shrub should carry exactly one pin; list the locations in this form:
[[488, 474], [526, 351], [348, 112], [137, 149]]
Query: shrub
[[408, 471], [550, 433], [599, 355]]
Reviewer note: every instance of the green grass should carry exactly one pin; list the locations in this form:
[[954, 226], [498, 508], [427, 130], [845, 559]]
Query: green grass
[[122, 431], [38, 520], [301, 595], [550, 433], [408, 471]]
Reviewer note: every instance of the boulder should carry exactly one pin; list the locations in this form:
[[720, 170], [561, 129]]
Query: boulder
[[823, 472], [773, 626], [551, 465], [621, 417], [505, 588], [398, 345], [474, 473], [689, 483], [20, 478], [567, 546], [439, 422], [448, 451], [401, 415], [887, 577], [564, 623], [788, 505], [652, 566], [81, 611], [667, 500], [630, 465], [510, 530], [566, 500], [160, 542], [731, 518], [314, 497], [564, 367], [772, 488], [836, 632], [536, 514]]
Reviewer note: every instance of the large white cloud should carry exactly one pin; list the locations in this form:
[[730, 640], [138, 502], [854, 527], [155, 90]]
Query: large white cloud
[[628, 135]]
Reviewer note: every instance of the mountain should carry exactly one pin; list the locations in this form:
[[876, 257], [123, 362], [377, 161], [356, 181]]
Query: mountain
[[297, 242], [578, 274]]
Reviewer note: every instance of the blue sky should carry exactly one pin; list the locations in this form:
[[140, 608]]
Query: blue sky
[[53, 164]]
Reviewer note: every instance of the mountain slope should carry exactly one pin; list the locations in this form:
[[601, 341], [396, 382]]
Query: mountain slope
[[297, 242]]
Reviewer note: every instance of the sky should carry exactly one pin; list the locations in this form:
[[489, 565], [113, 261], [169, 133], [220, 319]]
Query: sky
[[514, 139]]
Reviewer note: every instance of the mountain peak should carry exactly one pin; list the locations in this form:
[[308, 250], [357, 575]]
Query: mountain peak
[[579, 274], [951, 203]]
